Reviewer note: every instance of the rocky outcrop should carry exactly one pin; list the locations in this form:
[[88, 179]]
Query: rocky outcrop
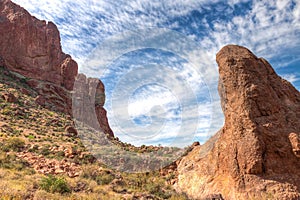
[[295, 142], [8, 97], [31, 49], [51, 166], [255, 155], [88, 102]]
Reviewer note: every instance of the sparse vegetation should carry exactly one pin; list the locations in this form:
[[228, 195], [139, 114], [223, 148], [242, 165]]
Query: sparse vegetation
[[13, 144], [27, 127], [10, 161], [54, 184]]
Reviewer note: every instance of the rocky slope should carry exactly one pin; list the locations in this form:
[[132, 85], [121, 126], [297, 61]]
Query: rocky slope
[[256, 155], [36, 142], [32, 49]]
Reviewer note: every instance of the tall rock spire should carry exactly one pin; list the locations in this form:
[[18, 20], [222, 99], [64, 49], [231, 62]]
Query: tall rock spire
[[256, 153]]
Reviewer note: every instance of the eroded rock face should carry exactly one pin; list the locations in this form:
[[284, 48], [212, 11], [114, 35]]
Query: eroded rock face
[[88, 101], [32, 47], [254, 154], [295, 142]]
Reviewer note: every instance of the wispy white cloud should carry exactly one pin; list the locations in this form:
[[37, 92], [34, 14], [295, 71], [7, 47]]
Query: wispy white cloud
[[291, 77], [169, 95], [271, 29], [268, 29]]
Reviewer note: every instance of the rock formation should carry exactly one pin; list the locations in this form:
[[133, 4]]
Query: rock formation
[[88, 102], [51, 166], [31, 49], [256, 153]]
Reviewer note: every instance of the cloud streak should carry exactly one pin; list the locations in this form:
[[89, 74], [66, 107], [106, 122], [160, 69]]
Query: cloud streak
[[271, 29]]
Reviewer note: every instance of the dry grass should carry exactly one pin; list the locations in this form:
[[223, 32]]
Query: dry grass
[[26, 126]]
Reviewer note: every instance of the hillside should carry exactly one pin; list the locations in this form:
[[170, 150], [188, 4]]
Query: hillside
[[36, 142], [43, 154]]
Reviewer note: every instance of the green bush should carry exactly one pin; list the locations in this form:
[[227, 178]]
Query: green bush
[[14, 144], [10, 161], [104, 178], [54, 184], [31, 137], [45, 150]]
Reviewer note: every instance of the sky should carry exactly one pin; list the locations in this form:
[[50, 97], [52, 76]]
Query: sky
[[157, 58]]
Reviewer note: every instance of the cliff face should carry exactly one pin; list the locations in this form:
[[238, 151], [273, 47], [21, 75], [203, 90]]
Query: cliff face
[[88, 102], [32, 49], [256, 154]]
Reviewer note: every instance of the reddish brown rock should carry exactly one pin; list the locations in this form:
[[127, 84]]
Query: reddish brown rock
[[71, 131], [195, 144], [50, 166], [9, 98], [2, 62], [103, 121], [25, 91], [88, 101], [40, 100], [253, 156], [32, 47], [295, 142]]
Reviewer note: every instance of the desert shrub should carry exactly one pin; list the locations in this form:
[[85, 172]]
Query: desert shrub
[[6, 111], [87, 159], [31, 137], [14, 144], [10, 161], [35, 148], [101, 177], [54, 184], [150, 183], [104, 178], [45, 150], [60, 154], [156, 189]]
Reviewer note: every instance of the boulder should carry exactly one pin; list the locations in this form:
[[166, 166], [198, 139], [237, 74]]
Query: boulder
[[9, 97]]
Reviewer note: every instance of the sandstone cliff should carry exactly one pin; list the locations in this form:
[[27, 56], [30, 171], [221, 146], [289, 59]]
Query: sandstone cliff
[[88, 102], [31, 48], [256, 154]]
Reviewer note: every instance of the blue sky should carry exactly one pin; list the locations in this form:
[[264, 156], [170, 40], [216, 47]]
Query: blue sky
[[157, 58]]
